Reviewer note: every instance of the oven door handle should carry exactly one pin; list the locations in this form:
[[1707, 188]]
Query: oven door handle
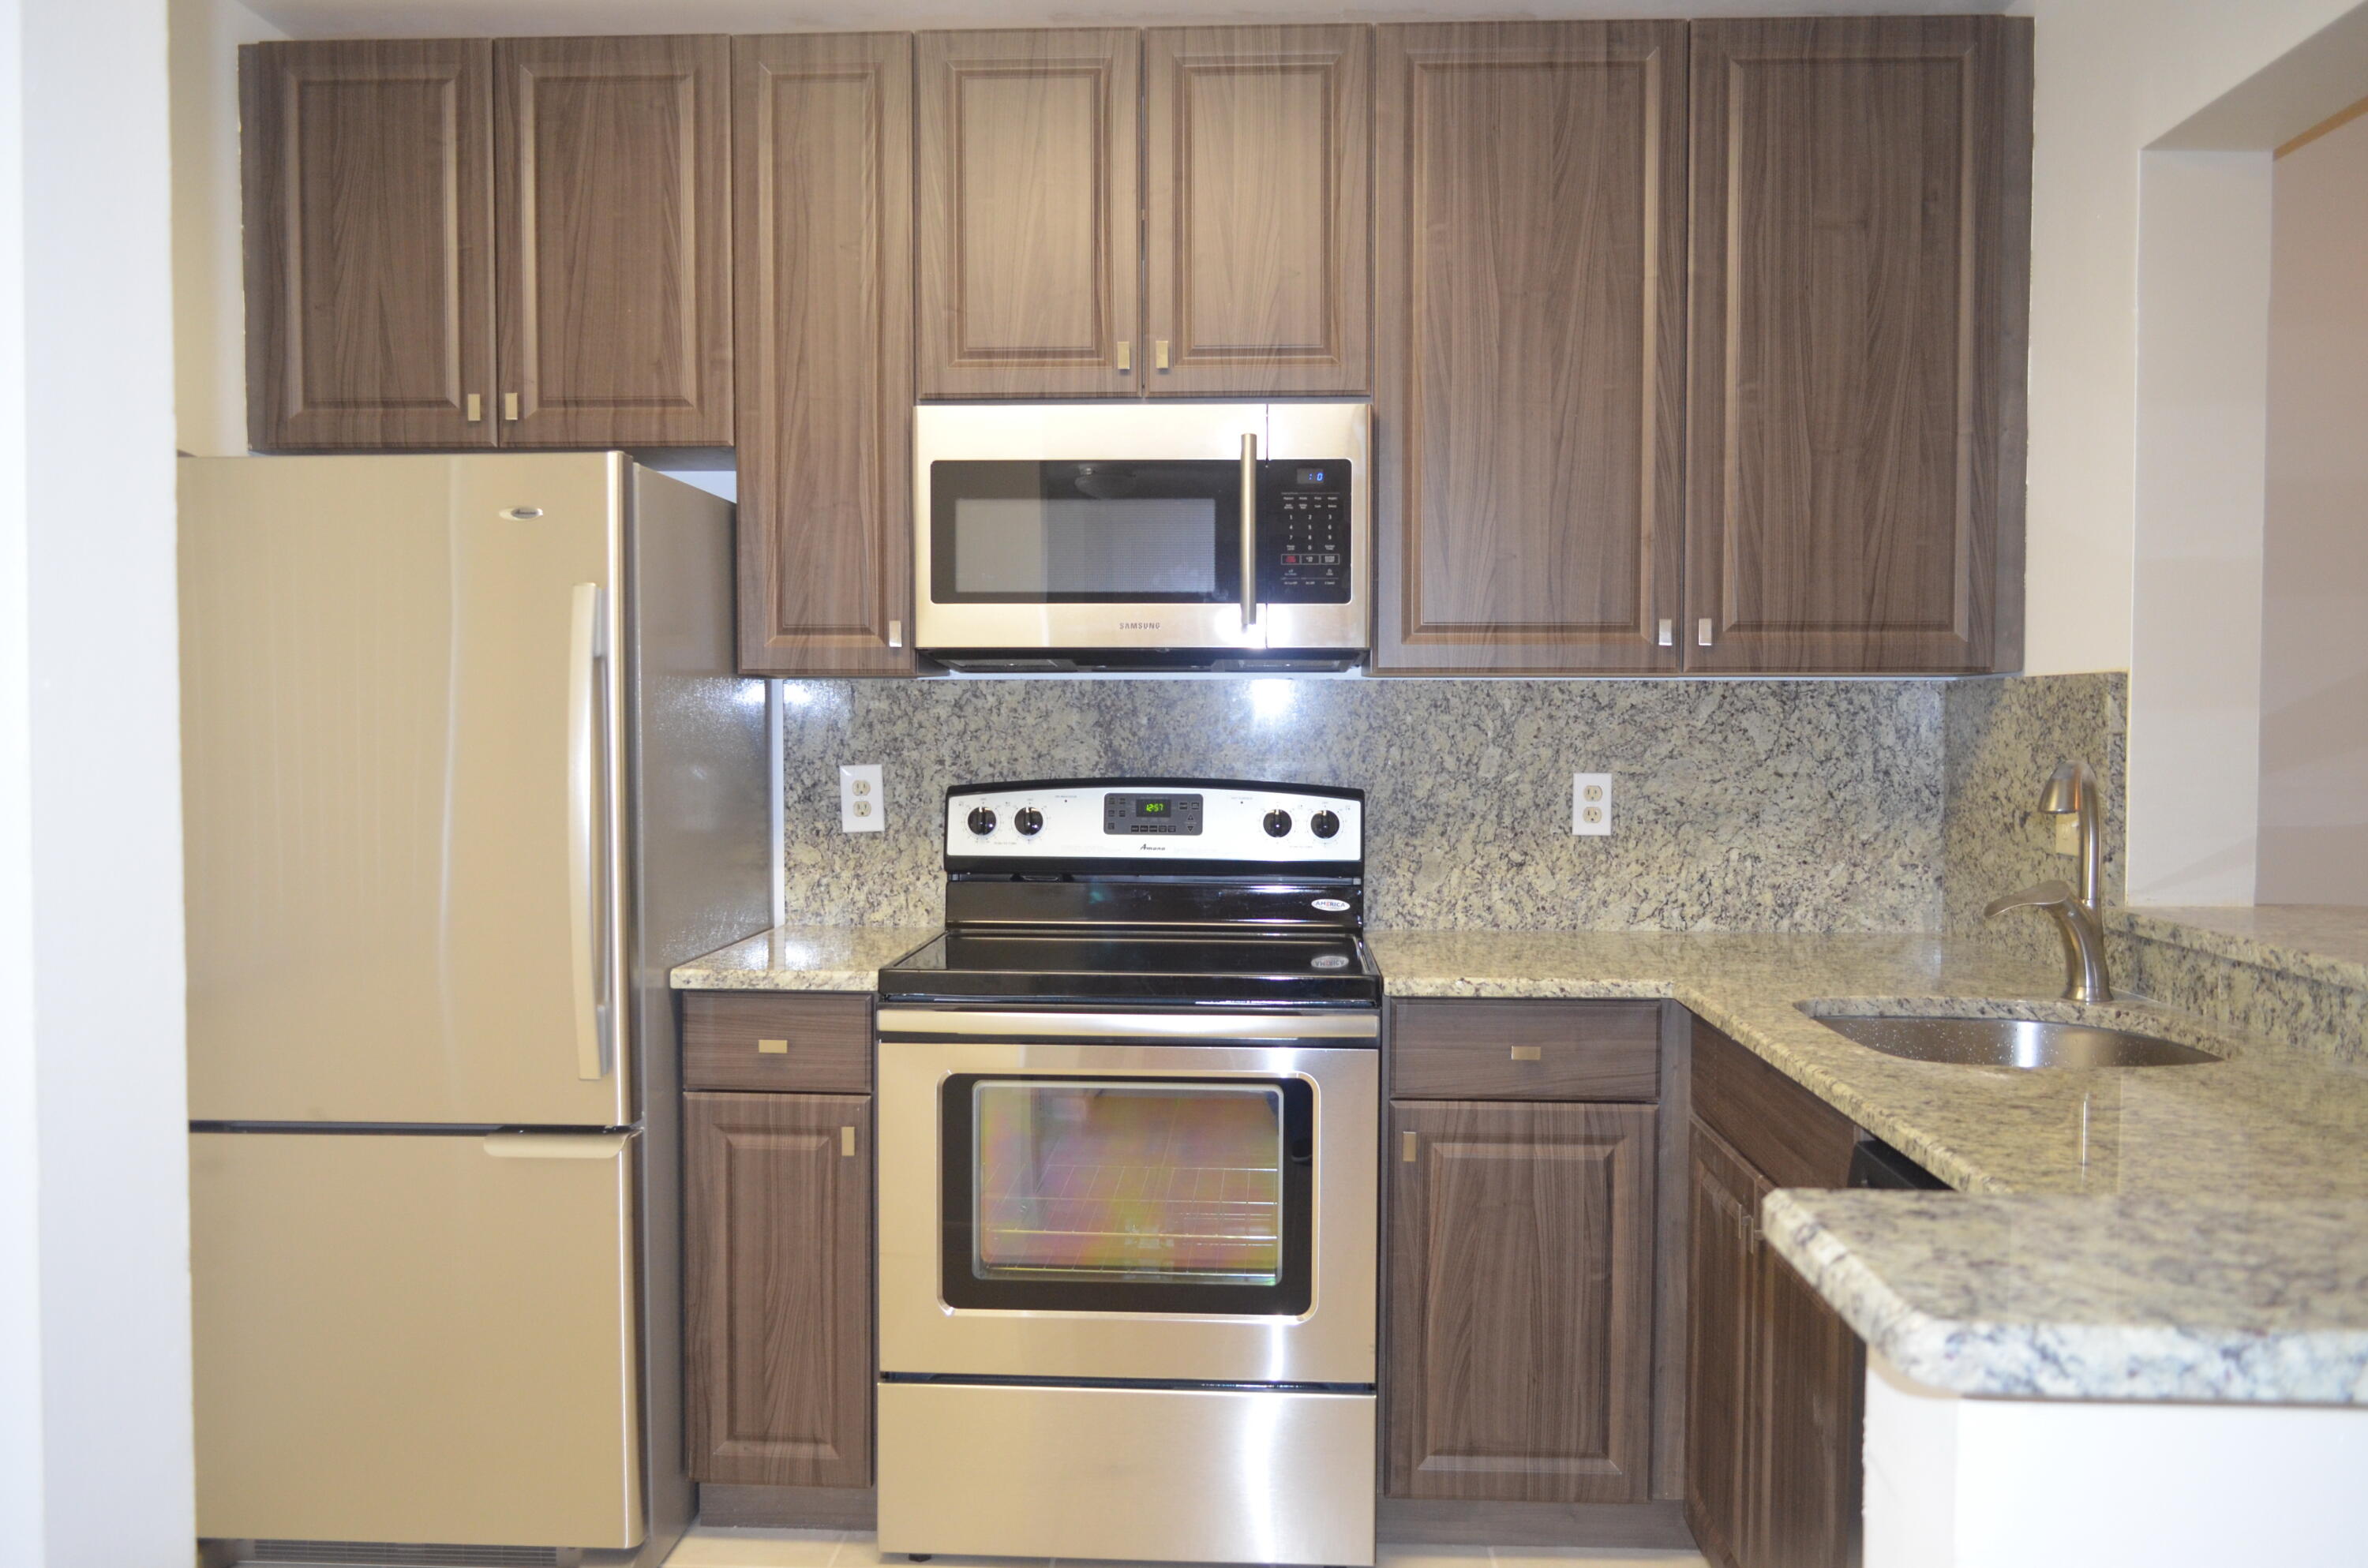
[[995, 1025]]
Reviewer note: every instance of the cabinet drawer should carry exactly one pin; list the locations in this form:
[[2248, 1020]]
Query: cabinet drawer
[[1525, 1050], [816, 1044], [1793, 1137]]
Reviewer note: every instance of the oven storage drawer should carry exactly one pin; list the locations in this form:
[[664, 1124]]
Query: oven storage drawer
[[815, 1044], [1462, 1049], [1180, 1475]]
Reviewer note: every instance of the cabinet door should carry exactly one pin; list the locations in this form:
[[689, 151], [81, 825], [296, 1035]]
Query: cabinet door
[[1029, 213], [1519, 1261], [369, 210], [823, 214], [612, 162], [1722, 1410], [777, 1289], [1812, 1392], [1530, 345], [1257, 210], [1861, 265]]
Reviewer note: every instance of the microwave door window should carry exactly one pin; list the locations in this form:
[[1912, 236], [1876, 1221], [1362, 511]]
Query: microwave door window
[[1053, 548]]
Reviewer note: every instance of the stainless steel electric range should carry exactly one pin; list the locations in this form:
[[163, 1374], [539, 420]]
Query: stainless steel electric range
[[1129, 1181]]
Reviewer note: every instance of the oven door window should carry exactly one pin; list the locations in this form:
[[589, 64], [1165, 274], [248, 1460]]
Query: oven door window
[[1085, 532], [1128, 1194]]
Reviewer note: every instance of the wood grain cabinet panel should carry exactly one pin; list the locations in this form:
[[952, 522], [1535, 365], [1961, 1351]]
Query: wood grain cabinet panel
[[1519, 1266], [777, 1289], [824, 274], [764, 1040], [1721, 1434], [1030, 230], [1530, 345], [369, 215], [613, 159], [1525, 1049], [1257, 210], [1859, 278]]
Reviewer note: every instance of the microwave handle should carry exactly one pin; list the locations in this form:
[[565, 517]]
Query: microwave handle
[[1249, 531]]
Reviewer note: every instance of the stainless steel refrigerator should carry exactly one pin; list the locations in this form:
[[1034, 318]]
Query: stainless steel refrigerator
[[467, 768]]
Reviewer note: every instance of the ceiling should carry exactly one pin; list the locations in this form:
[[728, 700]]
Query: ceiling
[[468, 19]]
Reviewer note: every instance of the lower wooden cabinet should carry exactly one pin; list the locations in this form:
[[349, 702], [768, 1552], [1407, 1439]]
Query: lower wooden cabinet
[[1519, 1282], [1775, 1378], [777, 1288]]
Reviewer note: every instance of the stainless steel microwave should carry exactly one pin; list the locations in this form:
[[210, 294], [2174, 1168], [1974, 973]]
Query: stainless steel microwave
[[1142, 536]]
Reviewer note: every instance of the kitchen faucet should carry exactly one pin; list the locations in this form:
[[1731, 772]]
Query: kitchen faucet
[[2071, 791]]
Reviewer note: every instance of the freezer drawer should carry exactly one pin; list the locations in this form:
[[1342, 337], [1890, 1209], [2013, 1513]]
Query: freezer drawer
[[408, 1337], [1147, 1475]]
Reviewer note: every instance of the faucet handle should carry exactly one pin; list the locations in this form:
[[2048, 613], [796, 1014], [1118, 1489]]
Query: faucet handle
[[2039, 895]]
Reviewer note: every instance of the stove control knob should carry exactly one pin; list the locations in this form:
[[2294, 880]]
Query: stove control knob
[[1276, 823], [982, 821], [1323, 824], [1029, 820]]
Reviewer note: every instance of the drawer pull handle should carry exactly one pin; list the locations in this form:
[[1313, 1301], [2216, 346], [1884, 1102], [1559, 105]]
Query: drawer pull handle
[[846, 1143], [1405, 1147], [772, 1048], [1527, 1052]]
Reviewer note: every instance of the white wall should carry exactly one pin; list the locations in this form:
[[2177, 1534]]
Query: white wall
[[209, 306], [95, 1466], [2313, 778]]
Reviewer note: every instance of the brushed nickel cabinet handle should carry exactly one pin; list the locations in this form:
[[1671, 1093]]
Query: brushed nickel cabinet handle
[[1668, 637], [846, 1143], [772, 1048], [1159, 354], [1527, 1053], [895, 634], [1406, 1148], [475, 408], [1125, 356], [1702, 632], [510, 407]]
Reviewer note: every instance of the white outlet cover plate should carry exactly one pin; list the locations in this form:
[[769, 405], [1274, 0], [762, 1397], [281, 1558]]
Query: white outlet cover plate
[[862, 801], [1590, 804]]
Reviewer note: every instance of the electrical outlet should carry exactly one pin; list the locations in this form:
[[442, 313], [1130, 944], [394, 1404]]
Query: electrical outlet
[[1590, 804], [2066, 833], [862, 803]]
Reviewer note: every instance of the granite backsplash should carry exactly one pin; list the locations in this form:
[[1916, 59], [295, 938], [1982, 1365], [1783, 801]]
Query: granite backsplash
[[1738, 805]]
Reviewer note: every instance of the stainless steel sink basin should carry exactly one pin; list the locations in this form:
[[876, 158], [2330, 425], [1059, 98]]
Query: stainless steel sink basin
[[2013, 1043]]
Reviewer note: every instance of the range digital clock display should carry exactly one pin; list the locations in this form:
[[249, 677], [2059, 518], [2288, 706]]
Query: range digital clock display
[[1151, 814]]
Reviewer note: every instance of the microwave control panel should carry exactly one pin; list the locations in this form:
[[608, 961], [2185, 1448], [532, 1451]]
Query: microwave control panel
[[1302, 532]]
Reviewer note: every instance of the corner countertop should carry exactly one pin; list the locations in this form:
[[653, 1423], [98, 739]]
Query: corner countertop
[[802, 958], [2148, 1233], [2323, 942]]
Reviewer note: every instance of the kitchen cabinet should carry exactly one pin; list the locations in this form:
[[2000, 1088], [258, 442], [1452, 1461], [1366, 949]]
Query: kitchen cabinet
[[1257, 210], [1775, 1378], [613, 199], [463, 242], [368, 188], [1530, 347], [1028, 155], [1860, 252], [824, 215], [777, 1289]]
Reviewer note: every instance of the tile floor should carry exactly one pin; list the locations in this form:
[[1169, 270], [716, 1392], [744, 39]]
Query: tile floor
[[828, 1549]]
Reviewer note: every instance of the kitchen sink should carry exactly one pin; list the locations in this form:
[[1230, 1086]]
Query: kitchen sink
[[2013, 1043]]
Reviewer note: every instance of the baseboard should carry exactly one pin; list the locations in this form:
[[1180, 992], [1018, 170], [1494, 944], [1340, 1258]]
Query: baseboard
[[1423, 1521], [789, 1507]]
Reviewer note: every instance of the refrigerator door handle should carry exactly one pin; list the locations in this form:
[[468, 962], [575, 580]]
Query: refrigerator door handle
[[584, 653], [554, 1145]]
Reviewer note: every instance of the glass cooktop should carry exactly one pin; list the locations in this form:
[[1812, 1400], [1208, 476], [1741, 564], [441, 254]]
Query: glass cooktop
[[1135, 965]]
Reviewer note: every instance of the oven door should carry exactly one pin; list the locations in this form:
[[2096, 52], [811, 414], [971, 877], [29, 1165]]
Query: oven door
[[1180, 1210]]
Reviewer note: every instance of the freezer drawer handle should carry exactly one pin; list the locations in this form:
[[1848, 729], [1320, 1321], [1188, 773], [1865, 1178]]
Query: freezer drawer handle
[[554, 1145], [583, 858]]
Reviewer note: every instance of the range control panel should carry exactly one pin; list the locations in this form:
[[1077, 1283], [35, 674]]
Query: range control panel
[[1302, 532], [1262, 824]]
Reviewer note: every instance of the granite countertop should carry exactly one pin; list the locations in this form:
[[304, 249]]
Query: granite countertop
[[2320, 941], [2167, 1234], [2161, 1234], [802, 958]]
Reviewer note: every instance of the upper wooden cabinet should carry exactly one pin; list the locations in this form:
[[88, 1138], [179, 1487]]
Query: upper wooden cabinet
[[1029, 213], [399, 228], [1530, 347], [369, 257], [1257, 210], [825, 275], [1860, 266], [612, 160]]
